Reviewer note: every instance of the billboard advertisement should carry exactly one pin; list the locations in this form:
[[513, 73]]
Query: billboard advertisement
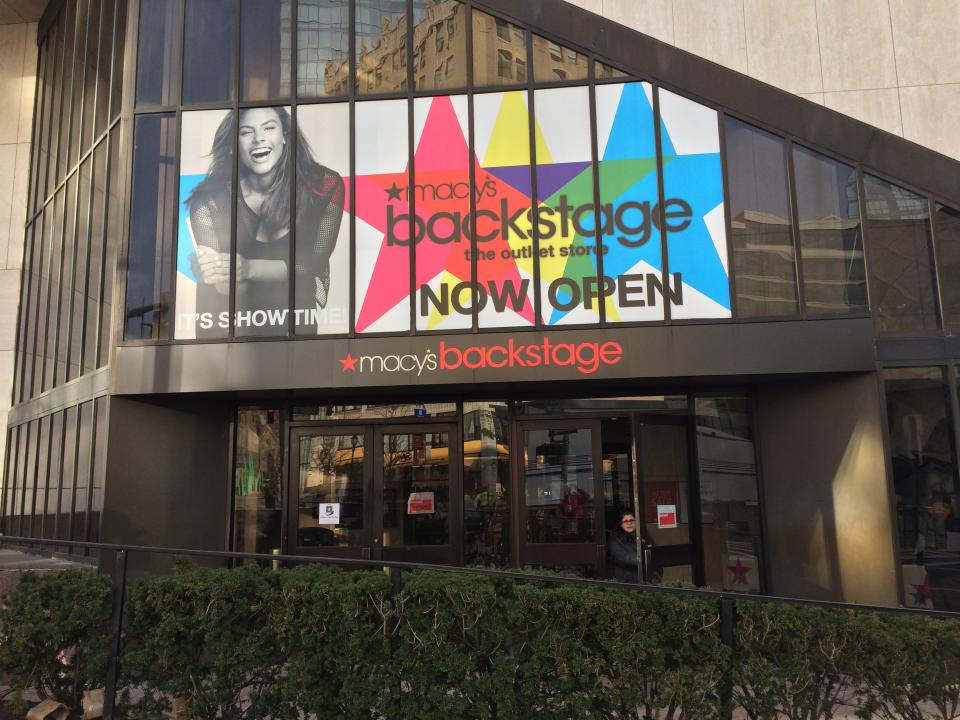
[[507, 210]]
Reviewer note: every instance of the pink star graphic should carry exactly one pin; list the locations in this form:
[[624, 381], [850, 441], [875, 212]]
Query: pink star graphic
[[739, 571], [349, 363]]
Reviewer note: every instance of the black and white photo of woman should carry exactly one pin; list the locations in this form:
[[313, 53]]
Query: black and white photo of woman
[[263, 221]]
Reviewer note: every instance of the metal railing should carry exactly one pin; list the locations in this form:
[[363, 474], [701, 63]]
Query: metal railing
[[727, 600]]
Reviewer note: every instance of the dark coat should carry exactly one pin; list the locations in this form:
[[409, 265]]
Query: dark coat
[[623, 556]]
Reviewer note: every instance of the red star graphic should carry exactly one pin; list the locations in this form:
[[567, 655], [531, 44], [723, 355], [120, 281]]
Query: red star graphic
[[349, 363], [739, 573], [922, 593], [436, 163]]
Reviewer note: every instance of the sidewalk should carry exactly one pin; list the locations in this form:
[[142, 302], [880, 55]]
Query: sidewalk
[[13, 562]]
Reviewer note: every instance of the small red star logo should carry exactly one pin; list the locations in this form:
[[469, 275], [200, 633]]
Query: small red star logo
[[922, 593], [349, 363], [739, 572]]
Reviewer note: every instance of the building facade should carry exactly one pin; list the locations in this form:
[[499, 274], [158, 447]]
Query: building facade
[[467, 283]]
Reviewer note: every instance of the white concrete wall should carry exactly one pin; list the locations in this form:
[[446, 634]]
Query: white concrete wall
[[18, 63], [891, 63]]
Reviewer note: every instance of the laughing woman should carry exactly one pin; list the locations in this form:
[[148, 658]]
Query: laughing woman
[[263, 222]]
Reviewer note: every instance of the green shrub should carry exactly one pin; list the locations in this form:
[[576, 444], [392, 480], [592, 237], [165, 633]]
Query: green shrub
[[334, 629], [55, 634], [204, 636], [321, 642]]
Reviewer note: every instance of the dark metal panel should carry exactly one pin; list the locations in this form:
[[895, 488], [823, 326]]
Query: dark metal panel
[[84, 388], [167, 464], [725, 350]]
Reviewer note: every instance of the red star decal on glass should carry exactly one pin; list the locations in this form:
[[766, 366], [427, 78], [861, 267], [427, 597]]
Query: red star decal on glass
[[442, 158], [922, 594], [739, 571], [349, 363]]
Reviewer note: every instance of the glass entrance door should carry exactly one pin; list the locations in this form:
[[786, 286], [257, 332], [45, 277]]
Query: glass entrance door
[[375, 491], [665, 496], [331, 483], [561, 495], [417, 488]]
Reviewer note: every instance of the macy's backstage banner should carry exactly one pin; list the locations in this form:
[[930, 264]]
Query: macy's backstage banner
[[583, 258]]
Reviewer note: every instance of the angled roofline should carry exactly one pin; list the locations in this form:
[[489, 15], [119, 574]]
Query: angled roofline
[[900, 160]]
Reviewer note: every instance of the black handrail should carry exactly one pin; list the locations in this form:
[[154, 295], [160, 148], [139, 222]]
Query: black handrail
[[727, 600]]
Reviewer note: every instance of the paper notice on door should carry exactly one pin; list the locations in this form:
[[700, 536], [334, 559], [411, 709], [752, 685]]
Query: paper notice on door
[[666, 516], [420, 503], [329, 514]]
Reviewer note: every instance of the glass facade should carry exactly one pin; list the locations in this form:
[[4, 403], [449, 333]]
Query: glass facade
[[352, 168]]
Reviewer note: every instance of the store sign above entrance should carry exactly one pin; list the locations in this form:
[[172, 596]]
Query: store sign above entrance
[[498, 216], [511, 355]]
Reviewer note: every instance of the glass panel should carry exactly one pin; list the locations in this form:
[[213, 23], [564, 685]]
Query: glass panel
[[265, 49], [602, 71], [68, 474], [203, 232], [948, 246], [631, 239], [79, 70], [445, 297], [80, 267], [729, 494], [559, 487], [28, 305], [923, 458], [151, 227], [67, 264], [665, 479], [41, 526], [84, 449], [901, 271], [28, 528], [566, 227], [56, 290], [330, 504], [382, 282], [116, 76], [763, 256], [51, 77], [381, 43], [59, 71], [372, 412], [92, 301], [66, 95], [54, 489], [112, 241], [439, 45], [208, 49], [416, 489], [257, 477], [263, 223], [486, 483], [157, 54], [20, 527], [505, 247], [695, 227], [831, 240], [90, 75], [499, 51], [556, 63], [104, 59], [322, 262], [99, 468], [322, 47]]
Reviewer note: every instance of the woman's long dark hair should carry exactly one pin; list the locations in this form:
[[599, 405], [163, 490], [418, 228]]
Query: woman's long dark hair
[[275, 210]]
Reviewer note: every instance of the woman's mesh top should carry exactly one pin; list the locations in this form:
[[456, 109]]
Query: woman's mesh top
[[320, 206]]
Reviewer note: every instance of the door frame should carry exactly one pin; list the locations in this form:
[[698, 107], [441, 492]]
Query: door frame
[[593, 554], [292, 481], [452, 552], [373, 431], [681, 554]]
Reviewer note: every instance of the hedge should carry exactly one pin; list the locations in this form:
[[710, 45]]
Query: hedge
[[249, 643]]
